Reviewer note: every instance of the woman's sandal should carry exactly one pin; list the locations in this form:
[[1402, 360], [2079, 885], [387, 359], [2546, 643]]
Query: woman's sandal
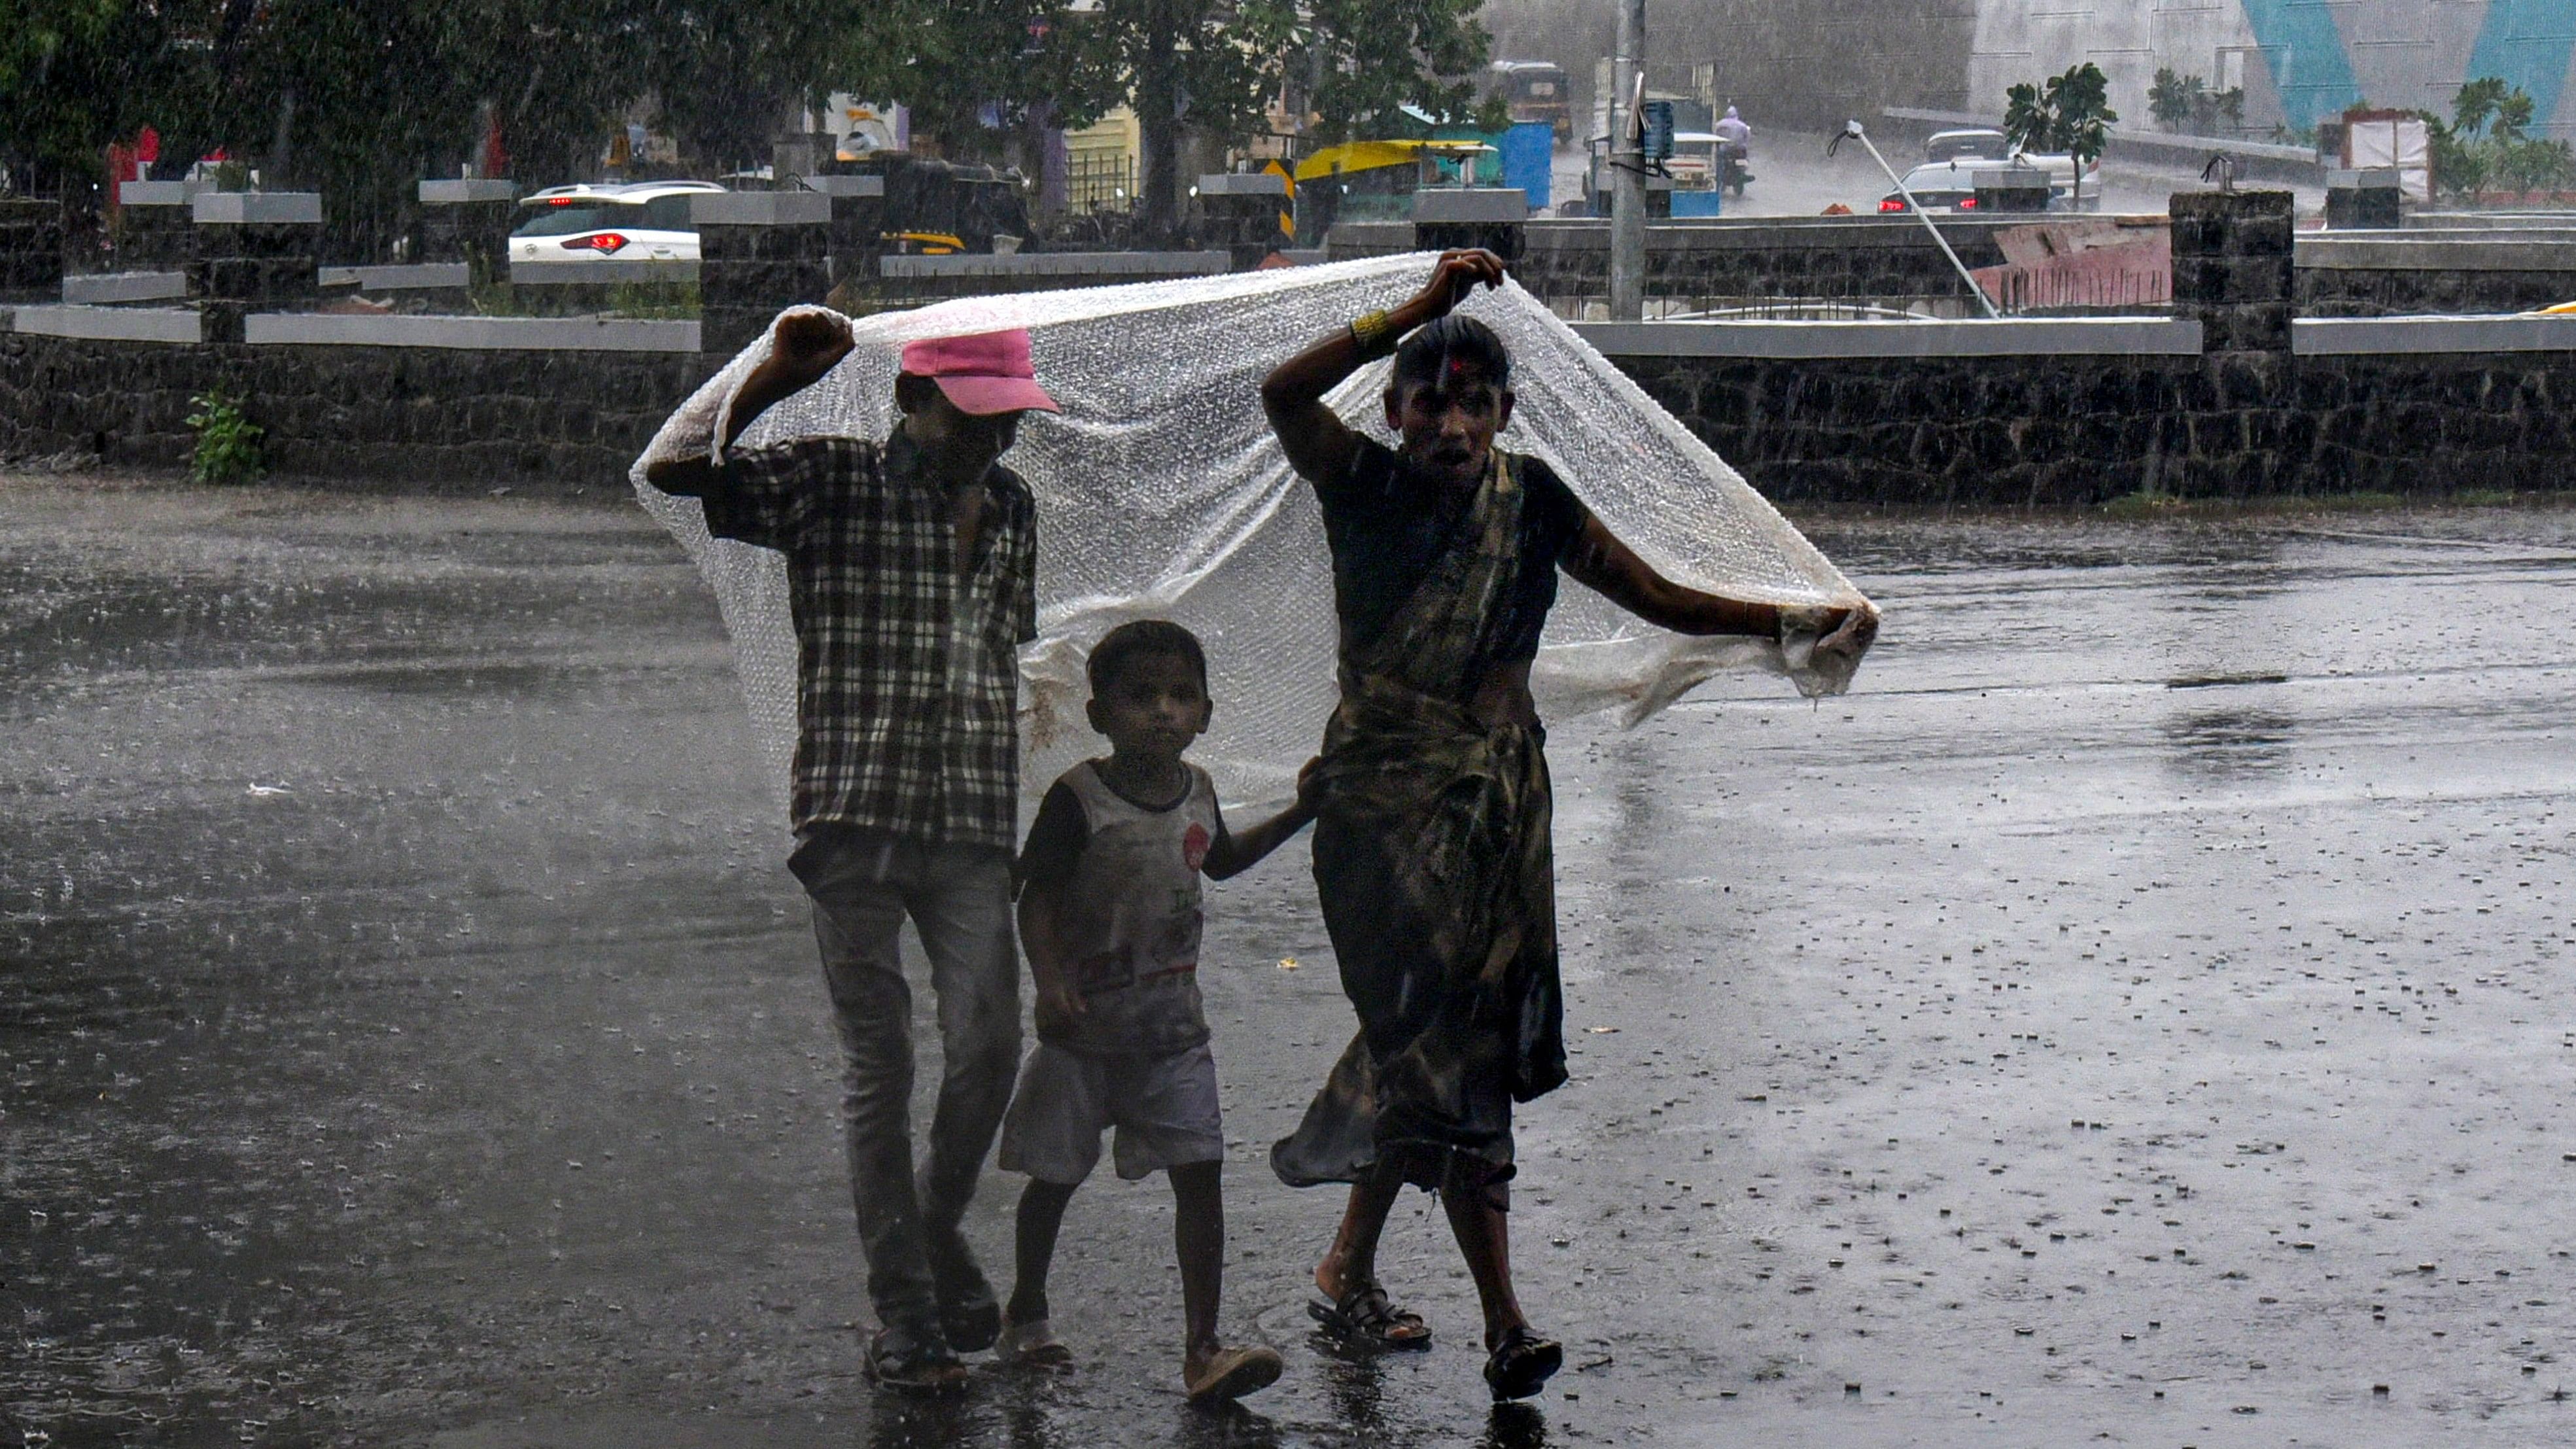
[[1363, 1315], [1031, 1345], [1521, 1363]]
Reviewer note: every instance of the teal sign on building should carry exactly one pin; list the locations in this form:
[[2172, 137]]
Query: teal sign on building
[[2309, 51]]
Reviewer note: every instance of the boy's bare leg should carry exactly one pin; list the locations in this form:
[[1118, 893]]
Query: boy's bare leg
[[1478, 1216], [1041, 1216], [1198, 1239], [1352, 1260]]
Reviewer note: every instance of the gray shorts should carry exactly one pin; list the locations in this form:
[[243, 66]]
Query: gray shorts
[[1164, 1108]]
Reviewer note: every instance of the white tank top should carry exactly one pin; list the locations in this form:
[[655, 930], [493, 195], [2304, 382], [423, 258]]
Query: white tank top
[[1129, 922]]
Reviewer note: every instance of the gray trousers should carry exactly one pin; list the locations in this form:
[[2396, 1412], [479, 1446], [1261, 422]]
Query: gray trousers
[[959, 898]]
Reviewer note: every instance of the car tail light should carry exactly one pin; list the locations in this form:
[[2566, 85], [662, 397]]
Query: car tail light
[[606, 243], [1891, 203], [1967, 203]]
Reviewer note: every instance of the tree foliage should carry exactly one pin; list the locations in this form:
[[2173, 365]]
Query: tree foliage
[[2071, 115], [2180, 102], [1362, 59], [361, 98], [2487, 143]]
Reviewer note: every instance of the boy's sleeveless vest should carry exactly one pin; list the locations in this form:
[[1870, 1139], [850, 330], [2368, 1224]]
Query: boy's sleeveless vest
[[1130, 920]]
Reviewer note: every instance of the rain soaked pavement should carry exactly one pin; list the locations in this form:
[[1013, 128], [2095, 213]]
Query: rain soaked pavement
[[2136, 1015]]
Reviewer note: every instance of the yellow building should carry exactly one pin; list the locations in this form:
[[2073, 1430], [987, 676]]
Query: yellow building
[[1101, 159]]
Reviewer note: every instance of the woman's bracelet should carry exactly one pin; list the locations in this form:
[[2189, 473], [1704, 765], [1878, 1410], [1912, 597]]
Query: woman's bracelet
[[1376, 334]]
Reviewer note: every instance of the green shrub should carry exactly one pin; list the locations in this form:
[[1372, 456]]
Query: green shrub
[[227, 442]]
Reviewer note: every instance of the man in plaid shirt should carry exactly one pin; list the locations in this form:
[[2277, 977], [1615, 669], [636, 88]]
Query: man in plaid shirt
[[912, 572]]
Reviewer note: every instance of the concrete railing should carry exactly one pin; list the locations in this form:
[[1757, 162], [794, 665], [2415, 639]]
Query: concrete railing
[[411, 277], [2368, 336], [603, 271], [2011, 337], [2445, 251], [108, 324], [1059, 264], [482, 334], [101, 288]]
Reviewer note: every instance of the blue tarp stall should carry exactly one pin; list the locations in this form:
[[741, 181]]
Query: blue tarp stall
[[1529, 158]]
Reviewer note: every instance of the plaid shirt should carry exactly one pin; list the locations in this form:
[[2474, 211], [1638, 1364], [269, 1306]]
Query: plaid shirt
[[907, 688]]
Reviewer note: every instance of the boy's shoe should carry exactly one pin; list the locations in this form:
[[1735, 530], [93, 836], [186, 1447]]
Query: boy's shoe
[[1231, 1373], [914, 1360], [1031, 1345]]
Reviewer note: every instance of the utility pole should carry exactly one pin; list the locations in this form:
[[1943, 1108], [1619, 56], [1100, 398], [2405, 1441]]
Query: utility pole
[[1628, 161]]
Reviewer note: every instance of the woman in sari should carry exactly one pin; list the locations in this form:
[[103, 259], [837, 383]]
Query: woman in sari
[[1431, 848]]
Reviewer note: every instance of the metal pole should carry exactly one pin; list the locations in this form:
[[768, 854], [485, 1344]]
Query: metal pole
[[1628, 162], [1852, 131]]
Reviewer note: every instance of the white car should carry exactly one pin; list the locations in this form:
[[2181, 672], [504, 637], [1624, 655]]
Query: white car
[[1982, 142], [632, 221]]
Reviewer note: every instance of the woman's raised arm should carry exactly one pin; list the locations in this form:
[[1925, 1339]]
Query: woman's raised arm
[[1318, 445]]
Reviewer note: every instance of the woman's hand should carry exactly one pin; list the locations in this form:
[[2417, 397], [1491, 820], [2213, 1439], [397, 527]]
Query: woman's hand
[[1057, 995], [1452, 278], [1849, 631]]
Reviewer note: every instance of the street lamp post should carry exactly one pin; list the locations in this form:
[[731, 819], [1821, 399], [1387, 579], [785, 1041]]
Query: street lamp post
[[1628, 169]]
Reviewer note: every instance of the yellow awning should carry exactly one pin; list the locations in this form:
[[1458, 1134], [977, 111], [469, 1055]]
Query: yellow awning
[[1377, 155]]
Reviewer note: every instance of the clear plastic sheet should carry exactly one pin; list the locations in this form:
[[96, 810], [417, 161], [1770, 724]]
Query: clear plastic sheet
[[1161, 493]]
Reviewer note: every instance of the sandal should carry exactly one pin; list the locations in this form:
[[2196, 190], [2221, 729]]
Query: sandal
[[1521, 1363], [1364, 1316], [1032, 1345], [1229, 1374], [913, 1360]]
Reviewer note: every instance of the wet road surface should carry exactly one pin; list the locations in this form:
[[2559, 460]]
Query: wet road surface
[[2135, 1016]]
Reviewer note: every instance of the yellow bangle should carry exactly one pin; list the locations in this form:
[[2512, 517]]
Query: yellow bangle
[[1375, 332]]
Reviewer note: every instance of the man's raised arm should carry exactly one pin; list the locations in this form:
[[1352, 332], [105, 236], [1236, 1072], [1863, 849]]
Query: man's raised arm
[[808, 345]]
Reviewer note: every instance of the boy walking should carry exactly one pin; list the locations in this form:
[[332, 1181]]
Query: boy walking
[[1110, 917]]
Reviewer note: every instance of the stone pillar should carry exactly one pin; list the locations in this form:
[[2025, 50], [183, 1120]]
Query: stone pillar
[[855, 235], [2014, 188], [469, 222], [1493, 217], [31, 250], [759, 252], [253, 251], [1241, 212], [2231, 268], [2368, 198], [154, 225]]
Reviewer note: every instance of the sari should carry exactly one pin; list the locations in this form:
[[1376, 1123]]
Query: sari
[[1433, 867]]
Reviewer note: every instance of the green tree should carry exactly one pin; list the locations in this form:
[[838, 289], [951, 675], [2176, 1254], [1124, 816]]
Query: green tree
[[2070, 115], [956, 63], [975, 71], [70, 71], [2488, 142], [2173, 99], [1365, 58]]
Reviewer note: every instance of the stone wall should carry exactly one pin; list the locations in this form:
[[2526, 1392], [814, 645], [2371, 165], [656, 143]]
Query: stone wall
[[31, 248], [2072, 430], [1715, 264], [2412, 291], [412, 415], [2454, 271]]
